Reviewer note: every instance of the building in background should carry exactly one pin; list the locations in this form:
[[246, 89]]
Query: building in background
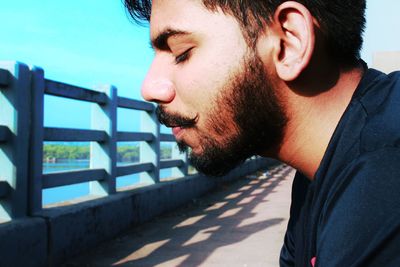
[[386, 61]]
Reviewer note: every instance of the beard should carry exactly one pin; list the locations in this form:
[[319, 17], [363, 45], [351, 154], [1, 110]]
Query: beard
[[249, 101]]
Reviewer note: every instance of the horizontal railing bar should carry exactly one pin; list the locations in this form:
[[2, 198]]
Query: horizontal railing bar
[[5, 189], [134, 168], [51, 180], [73, 135], [167, 138], [5, 134], [134, 104], [171, 163], [74, 92], [4, 78], [134, 137]]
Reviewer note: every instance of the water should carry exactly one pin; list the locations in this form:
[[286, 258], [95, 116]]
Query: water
[[65, 165], [69, 192]]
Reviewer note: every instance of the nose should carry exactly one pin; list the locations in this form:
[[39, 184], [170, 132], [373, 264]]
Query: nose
[[157, 86]]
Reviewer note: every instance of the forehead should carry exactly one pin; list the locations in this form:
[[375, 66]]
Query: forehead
[[188, 16]]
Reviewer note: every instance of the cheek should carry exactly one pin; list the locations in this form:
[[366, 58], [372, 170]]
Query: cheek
[[198, 88], [200, 81]]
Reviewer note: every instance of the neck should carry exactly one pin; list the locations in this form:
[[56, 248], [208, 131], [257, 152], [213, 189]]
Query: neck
[[313, 118]]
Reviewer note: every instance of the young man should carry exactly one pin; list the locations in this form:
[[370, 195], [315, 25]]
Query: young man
[[283, 79]]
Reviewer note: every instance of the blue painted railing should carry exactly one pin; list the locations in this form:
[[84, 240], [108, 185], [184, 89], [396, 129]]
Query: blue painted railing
[[22, 134]]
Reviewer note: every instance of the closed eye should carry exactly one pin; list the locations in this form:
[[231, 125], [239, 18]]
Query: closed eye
[[183, 57]]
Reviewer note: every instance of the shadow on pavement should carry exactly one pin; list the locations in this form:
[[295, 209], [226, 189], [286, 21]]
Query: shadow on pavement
[[188, 236]]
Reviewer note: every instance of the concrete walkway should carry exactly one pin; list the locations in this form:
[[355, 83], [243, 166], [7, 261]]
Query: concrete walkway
[[242, 224]]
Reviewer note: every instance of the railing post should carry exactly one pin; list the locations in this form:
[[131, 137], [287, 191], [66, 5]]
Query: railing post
[[15, 115], [104, 155], [36, 147], [182, 170], [150, 151]]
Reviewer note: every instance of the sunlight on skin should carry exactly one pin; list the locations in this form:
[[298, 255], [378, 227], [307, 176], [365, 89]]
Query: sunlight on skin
[[143, 252], [229, 213], [202, 235], [190, 221]]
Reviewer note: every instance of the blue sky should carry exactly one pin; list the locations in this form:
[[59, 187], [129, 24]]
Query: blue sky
[[93, 42], [85, 42]]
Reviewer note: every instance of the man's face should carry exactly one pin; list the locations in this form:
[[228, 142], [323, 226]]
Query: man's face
[[211, 88]]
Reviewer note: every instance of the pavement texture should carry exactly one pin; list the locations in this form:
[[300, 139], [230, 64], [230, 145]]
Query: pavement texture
[[240, 224]]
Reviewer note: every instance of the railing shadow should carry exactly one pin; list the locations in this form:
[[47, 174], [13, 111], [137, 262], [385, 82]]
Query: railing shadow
[[189, 236]]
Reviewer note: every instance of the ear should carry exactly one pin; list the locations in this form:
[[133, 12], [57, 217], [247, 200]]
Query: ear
[[294, 27]]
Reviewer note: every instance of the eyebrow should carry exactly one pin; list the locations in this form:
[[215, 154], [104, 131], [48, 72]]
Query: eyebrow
[[161, 41]]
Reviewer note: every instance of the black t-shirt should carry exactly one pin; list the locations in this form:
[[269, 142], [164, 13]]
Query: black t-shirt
[[350, 214]]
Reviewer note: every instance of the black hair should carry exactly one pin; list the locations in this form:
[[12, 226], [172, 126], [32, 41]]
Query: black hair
[[342, 22]]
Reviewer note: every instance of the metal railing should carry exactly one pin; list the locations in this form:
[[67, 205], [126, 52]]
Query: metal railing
[[22, 135]]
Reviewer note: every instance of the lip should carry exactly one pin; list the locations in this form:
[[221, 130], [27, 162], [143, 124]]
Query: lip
[[177, 131]]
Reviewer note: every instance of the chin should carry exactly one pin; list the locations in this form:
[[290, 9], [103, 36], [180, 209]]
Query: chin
[[196, 151]]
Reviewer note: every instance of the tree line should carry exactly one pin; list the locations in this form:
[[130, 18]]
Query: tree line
[[76, 152]]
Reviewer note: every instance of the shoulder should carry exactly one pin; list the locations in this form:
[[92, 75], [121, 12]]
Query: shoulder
[[364, 212], [374, 178], [381, 104], [356, 206]]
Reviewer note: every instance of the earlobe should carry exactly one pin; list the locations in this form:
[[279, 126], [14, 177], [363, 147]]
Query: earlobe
[[295, 27]]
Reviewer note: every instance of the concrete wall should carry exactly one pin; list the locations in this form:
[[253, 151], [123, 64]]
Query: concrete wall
[[23, 243], [62, 232]]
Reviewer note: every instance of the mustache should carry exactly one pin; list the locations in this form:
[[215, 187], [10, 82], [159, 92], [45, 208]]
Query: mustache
[[174, 120]]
